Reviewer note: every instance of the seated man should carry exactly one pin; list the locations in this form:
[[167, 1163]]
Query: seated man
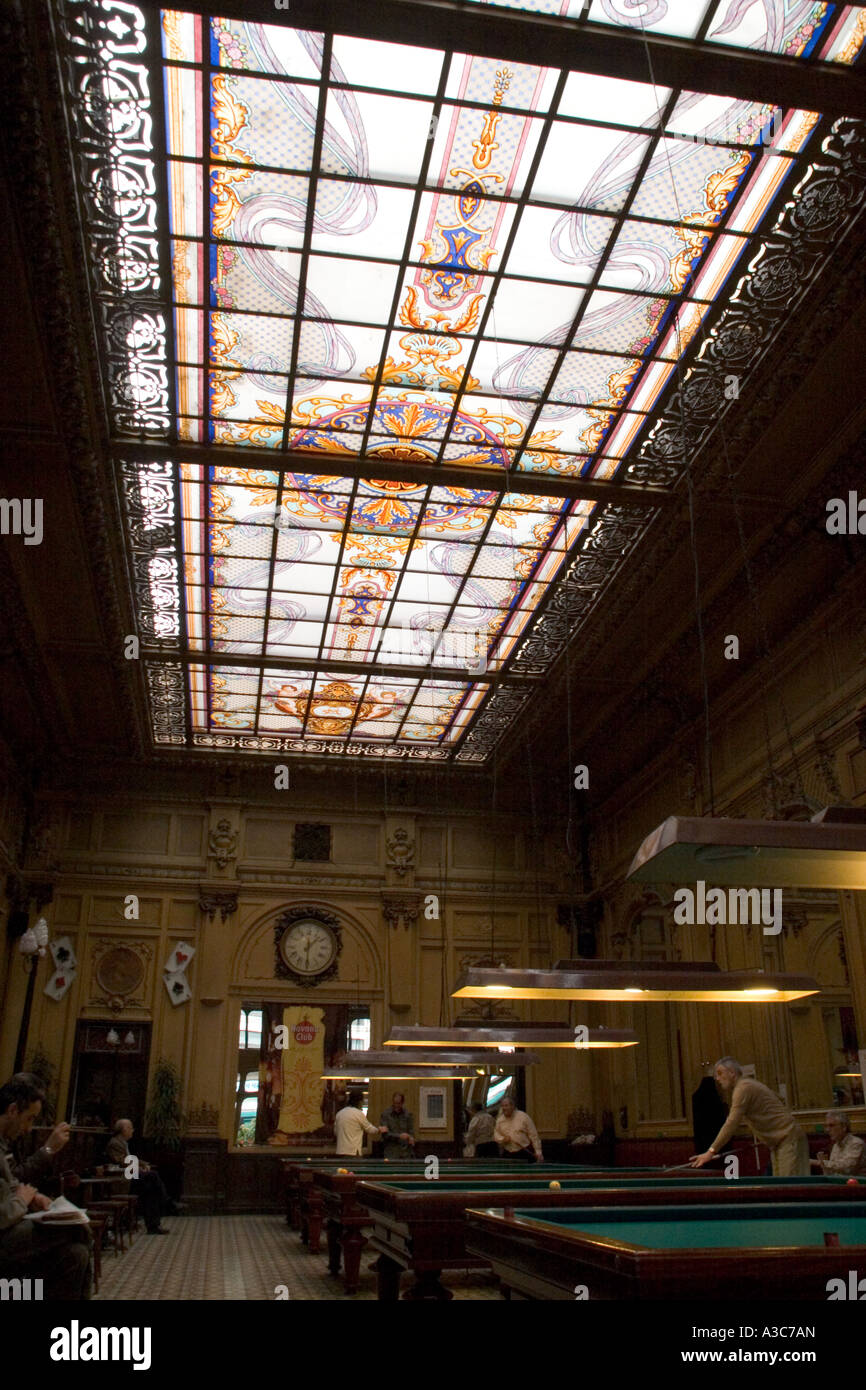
[[153, 1199], [59, 1256], [848, 1154]]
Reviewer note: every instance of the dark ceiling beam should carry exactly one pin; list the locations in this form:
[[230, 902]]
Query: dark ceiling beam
[[832, 88], [328, 666], [494, 480]]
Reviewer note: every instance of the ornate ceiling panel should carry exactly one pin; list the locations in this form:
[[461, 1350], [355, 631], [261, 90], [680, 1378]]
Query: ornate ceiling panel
[[328, 252]]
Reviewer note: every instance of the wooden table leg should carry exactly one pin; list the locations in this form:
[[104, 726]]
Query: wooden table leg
[[315, 1212], [353, 1244], [427, 1286], [388, 1279], [334, 1253]]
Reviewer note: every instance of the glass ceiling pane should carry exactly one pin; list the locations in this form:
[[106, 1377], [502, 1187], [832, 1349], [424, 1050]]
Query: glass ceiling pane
[[432, 262]]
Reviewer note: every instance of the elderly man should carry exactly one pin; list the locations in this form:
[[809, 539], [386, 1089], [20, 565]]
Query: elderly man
[[770, 1121], [60, 1257], [517, 1134], [148, 1187], [848, 1154]]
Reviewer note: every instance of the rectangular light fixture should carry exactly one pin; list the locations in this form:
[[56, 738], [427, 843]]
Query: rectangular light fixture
[[398, 1071], [507, 1037], [828, 851], [463, 1057], [636, 983]]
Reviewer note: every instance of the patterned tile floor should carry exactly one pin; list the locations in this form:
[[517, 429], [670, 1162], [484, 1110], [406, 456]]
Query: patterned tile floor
[[243, 1257]]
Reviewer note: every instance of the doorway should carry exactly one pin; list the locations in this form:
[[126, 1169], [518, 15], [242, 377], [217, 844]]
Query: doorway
[[109, 1074]]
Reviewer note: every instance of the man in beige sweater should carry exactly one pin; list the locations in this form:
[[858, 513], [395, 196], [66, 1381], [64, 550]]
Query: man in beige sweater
[[770, 1121]]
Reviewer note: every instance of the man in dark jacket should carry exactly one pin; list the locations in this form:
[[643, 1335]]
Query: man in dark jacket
[[147, 1185]]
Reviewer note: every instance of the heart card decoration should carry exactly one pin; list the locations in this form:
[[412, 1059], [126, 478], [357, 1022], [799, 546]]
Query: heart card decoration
[[180, 957], [177, 985], [60, 982]]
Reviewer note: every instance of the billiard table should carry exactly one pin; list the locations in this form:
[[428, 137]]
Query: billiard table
[[422, 1226], [743, 1251], [304, 1200], [332, 1197]]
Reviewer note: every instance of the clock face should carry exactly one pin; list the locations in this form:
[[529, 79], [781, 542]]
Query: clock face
[[308, 947]]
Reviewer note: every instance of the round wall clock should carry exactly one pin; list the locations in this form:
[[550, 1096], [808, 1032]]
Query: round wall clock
[[309, 949]]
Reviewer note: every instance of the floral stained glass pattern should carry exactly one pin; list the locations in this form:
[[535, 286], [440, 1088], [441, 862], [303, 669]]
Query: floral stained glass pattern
[[387, 272]]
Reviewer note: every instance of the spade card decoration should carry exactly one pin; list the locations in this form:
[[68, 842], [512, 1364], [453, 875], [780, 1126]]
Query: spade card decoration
[[60, 982], [177, 985], [179, 958], [62, 954]]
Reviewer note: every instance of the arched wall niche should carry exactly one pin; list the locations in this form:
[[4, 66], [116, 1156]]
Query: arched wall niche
[[360, 965]]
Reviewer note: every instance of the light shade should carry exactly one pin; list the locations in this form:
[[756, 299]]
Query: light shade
[[465, 1057], [509, 1035], [398, 1071], [827, 852], [638, 982]]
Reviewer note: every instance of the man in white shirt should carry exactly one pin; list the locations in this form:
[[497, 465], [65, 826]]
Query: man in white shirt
[[517, 1134], [350, 1125], [848, 1154]]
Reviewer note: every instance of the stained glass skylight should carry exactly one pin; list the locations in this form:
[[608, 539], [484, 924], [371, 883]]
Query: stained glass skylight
[[337, 255]]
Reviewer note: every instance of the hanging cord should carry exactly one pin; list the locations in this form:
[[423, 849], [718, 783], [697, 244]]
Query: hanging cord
[[760, 624], [687, 463]]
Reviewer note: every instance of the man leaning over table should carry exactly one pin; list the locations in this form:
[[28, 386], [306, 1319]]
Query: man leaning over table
[[769, 1119]]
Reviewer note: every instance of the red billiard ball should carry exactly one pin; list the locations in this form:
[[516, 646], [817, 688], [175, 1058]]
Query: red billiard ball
[[852, 1182]]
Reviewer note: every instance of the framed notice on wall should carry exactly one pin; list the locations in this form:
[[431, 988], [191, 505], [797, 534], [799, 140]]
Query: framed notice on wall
[[432, 1106]]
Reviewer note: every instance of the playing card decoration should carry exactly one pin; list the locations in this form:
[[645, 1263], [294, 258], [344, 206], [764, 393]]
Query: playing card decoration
[[62, 953], [60, 982], [180, 957], [177, 985]]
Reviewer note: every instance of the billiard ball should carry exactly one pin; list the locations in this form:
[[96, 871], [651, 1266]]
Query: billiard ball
[[342, 1170], [554, 1186], [852, 1182]]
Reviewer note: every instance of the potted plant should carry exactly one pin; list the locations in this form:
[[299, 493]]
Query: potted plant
[[164, 1124]]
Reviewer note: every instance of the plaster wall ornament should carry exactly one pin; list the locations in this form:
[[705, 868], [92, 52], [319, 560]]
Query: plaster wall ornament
[[223, 843], [401, 852], [402, 910], [211, 903]]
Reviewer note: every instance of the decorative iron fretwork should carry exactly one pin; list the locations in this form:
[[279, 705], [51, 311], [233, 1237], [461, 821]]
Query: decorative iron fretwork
[[112, 123], [166, 689], [312, 842]]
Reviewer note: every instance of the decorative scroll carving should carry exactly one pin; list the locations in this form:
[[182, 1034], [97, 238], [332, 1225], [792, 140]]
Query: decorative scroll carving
[[212, 903], [401, 910], [202, 1119]]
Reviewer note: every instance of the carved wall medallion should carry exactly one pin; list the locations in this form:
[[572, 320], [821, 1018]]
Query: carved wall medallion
[[119, 973]]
